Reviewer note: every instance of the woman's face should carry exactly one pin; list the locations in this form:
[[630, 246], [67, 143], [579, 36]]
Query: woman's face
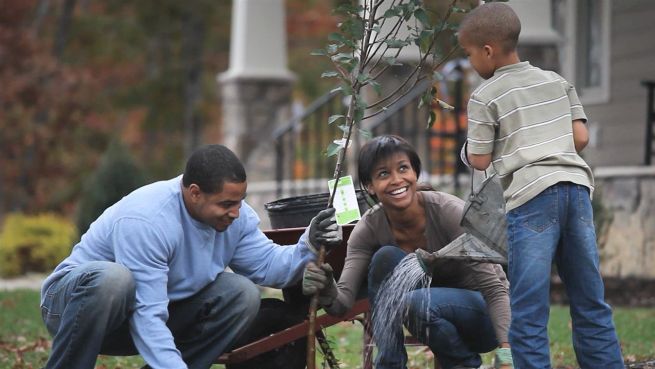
[[393, 181]]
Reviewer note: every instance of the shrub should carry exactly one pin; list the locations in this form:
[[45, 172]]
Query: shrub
[[34, 243], [116, 176]]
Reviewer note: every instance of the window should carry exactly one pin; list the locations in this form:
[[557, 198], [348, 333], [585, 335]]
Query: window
[[584, 52]]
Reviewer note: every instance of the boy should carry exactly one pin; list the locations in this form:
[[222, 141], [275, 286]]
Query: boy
[[530, 125]]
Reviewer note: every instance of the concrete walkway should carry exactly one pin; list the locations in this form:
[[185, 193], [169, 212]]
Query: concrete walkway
[[31, 281]]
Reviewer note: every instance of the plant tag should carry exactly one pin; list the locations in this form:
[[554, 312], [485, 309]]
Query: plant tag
[[345, 200]]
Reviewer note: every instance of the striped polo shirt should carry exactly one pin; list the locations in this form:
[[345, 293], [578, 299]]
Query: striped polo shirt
[[523, 116]]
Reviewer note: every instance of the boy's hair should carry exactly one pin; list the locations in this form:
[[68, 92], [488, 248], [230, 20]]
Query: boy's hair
[[381, 148], [492, 23], [211, 166]]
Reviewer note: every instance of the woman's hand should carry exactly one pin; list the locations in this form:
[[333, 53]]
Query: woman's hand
[[503, 357]]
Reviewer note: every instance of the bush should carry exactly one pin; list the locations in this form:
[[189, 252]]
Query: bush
[[116, 176], [34, 243]]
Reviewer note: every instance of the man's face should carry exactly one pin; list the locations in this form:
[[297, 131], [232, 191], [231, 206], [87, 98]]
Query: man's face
[[217, 210]]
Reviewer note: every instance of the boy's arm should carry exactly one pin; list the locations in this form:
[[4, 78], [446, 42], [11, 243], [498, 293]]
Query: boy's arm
[[479, 162], [476, 161], [580, 135]]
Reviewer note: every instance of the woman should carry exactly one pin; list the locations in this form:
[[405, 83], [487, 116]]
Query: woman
[[469, 304]]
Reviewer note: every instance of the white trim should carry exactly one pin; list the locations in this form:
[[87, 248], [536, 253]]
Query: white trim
[[624, 171], [568, 58]]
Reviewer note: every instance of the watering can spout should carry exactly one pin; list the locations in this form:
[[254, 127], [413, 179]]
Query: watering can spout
[[425, 260]]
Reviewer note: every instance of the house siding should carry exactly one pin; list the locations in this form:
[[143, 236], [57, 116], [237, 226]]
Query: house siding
[[621, 122]]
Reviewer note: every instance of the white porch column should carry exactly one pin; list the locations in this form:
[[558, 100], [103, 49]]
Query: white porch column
[[256, 88], [538, 39]]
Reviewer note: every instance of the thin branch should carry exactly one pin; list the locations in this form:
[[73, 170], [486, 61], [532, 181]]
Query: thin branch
[[419, 79]]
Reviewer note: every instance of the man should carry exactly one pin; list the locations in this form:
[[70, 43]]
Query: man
[[148, 277]]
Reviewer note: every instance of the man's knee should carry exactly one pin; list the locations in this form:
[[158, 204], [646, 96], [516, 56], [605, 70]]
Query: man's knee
[[113, 284], [249, 298]]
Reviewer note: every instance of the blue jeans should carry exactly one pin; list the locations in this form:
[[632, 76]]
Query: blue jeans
[[456, 327], [87, 313], [557, 225]]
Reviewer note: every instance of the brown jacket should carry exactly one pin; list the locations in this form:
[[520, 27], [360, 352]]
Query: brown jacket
[[443, 214]]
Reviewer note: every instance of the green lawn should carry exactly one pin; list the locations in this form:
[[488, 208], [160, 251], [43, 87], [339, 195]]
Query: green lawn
[[24, 342]]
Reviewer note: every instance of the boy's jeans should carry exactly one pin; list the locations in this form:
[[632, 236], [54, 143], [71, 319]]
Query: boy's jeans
[[557, 225], [87, 313], [456, 328]]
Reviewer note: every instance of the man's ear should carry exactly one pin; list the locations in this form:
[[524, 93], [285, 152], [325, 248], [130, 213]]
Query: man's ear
[[194, 192]]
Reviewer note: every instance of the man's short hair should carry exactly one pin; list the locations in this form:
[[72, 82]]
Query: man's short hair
[[211, 166], [492, 23]]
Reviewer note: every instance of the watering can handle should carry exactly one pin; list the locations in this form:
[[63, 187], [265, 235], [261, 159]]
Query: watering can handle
[[473, 177]]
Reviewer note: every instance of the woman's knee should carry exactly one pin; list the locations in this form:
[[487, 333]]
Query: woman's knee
[[384, 261]]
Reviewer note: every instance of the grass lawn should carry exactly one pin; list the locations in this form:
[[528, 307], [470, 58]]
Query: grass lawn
[[24, 341]]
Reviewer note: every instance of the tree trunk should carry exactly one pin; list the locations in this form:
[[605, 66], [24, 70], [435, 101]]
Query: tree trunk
[[192, 52], [63, 28]]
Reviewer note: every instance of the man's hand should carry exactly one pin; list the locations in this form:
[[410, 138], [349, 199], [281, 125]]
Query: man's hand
[[319, 279], [323, 230]]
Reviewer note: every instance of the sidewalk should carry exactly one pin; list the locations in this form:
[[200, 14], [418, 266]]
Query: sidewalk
[[31, 281]]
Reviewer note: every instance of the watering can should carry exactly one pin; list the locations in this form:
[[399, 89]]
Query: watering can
[[485, 236]]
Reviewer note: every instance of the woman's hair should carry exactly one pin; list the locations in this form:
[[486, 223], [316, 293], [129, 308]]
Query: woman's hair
[[211, 166], [382, 148]]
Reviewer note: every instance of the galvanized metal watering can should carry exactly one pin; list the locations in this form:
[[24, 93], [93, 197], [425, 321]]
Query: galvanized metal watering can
[[485, 239]]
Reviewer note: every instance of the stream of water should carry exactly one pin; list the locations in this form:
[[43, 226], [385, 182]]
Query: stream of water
[[390, 309]]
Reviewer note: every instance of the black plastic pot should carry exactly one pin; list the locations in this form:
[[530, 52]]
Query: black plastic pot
[[298, 211]]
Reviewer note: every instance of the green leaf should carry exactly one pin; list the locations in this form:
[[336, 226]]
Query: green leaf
[[330, 74], [425, 40], [334, 118], [422, 17], [376, 86], [365, 133], [332, 48], [391, 61], [340, 57], [396, 44], [336, 89], [363, 77], [437, 76], [318, 52], [431, 119], [360, 103], [344, 128], [348, 9], [347, 89], [333, 149], [425, 99], [353, 27], [392, 12], [336, 36]]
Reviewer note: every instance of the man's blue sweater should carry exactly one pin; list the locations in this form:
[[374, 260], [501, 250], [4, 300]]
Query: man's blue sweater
[[172, 257]]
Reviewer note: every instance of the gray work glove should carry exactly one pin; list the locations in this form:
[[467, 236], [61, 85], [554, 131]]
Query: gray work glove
[[321, 280], [323, 230]]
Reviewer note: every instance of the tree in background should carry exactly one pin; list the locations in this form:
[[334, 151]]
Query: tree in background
[[75, 73], [117, 175], [44, 139]]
